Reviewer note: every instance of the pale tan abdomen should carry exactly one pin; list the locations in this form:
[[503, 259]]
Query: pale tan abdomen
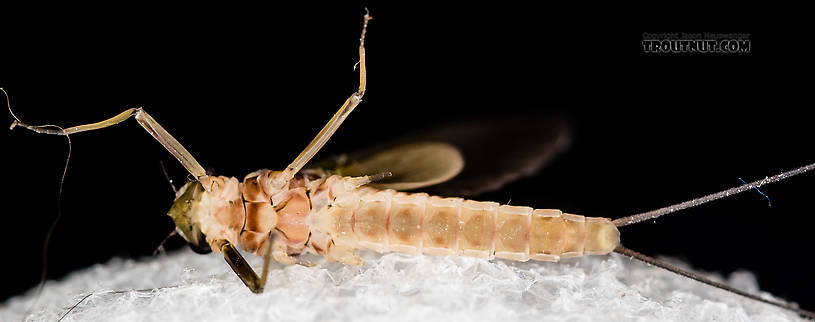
[[385, 220]]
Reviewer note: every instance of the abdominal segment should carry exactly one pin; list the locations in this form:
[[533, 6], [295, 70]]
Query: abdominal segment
[[386, 220]]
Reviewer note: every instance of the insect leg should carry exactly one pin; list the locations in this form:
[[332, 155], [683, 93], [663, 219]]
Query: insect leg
[[242, 268], [145, 120], [328, 130]]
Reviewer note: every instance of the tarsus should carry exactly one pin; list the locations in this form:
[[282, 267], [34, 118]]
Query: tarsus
[[50, 233]]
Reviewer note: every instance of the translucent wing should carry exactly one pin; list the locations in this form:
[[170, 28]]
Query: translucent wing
[[496, 150], [412, 165]]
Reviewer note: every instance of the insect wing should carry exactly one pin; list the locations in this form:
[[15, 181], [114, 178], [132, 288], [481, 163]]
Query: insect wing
[[497, 151], [500, 150], [412, 165]]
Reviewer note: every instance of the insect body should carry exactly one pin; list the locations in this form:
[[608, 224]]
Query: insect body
[[332, 215], [334, 210]]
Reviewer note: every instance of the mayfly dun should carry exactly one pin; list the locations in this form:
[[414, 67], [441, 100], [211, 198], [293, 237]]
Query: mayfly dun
[[335, 207]]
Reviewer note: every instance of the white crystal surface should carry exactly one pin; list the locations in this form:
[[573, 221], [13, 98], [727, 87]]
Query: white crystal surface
[[391, 287]]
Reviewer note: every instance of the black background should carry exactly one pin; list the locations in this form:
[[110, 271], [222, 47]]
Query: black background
[[245, 88]]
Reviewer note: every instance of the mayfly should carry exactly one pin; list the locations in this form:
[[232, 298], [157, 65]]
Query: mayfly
[[332, 209]]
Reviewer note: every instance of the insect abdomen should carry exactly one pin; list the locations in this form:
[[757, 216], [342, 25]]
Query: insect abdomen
[[385, 220]]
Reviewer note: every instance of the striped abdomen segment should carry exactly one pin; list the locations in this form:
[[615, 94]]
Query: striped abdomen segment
[[385, 220]]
